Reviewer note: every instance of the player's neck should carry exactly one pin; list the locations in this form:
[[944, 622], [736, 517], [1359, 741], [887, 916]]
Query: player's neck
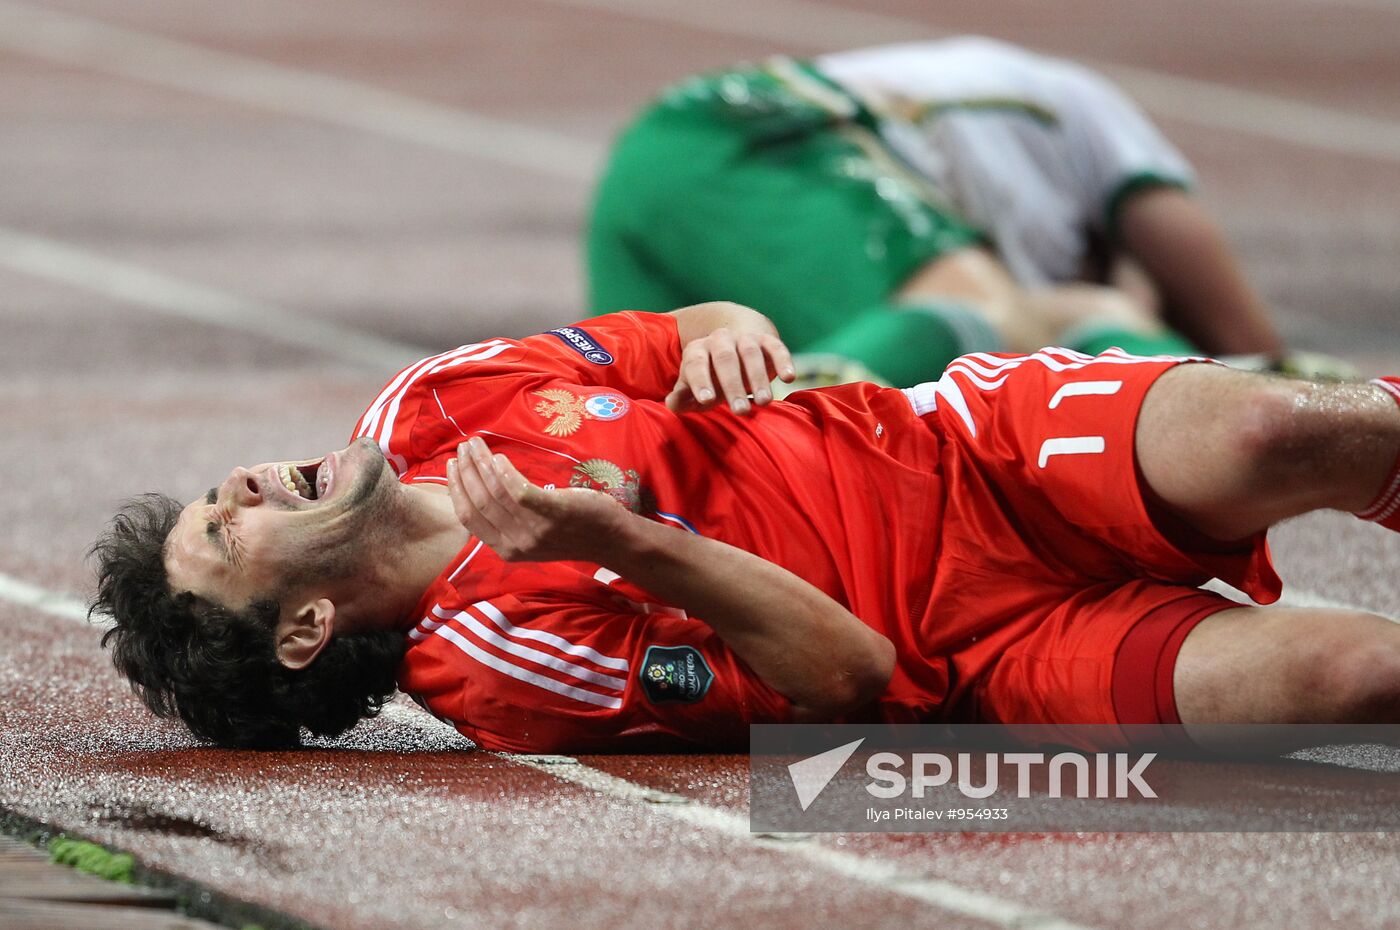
[[426, 537]]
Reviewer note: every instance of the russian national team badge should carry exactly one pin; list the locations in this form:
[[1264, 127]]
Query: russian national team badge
[[606, 406], [566, 411], [623, 486], [675, 674]]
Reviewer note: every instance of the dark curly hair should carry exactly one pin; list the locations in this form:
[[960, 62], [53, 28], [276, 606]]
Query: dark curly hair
[[217, 668]]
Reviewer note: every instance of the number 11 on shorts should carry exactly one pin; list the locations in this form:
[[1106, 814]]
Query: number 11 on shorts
[[1077, 445]]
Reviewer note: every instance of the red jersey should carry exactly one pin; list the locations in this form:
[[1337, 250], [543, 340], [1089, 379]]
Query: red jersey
[[991, 525], [570, 656]]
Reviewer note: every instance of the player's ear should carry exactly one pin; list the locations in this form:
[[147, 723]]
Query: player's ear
[[302, 634]]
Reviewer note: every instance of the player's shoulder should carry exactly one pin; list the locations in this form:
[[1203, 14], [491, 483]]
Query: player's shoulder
[[595, 343], [623, 339]]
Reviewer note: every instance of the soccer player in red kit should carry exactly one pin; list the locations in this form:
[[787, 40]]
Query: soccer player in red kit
[[583, 550]]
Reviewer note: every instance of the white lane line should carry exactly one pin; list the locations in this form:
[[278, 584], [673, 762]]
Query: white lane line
[[81, 42], [887, 876], [92, 44], [1376, 6], [788, 23], [1216, 106], [18, 591], [151, 290]]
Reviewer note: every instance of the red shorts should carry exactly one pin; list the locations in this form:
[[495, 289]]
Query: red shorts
[[1056, 597]]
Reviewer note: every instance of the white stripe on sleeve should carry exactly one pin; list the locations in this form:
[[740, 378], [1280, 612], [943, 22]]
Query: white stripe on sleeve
[[491, 637], [490, 611], [520, 674]]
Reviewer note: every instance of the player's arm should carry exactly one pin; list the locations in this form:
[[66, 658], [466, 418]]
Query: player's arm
[[728, 352], [802, 643], [1204, 293]]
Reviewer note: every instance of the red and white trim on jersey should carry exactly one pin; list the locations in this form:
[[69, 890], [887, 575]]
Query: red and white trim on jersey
[[447, 416], [532, 445], [924, 399], [379, 420], [466, 561], [988, 372], [1386, 505], [484, 625], [1390, 385]]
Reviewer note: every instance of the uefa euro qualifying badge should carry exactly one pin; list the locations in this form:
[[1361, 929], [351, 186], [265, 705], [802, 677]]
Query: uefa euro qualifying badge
[[675, 674]]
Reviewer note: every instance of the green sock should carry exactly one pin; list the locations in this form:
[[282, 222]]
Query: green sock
[[1094, 338], [906, 343]]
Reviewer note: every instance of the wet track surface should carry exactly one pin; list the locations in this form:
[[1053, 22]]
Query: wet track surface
[[243, 211], [401, 825]]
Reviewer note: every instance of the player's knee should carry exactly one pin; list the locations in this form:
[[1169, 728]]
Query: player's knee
[[1272, 429], [859, 678], [1363, 680]]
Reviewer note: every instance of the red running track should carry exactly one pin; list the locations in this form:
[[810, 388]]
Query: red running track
[[134, 183]]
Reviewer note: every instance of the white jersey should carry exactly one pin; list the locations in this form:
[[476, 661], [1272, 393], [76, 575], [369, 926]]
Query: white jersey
[[1033, 150]]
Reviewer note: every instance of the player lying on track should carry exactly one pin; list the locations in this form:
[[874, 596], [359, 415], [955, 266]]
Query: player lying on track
[[904, 205], [592, 539]]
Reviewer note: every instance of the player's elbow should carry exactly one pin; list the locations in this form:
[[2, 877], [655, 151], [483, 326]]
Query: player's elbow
[[872, 675], [857, 678]]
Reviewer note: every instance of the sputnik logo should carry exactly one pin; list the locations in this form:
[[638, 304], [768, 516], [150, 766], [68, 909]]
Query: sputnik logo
[[811, 776]]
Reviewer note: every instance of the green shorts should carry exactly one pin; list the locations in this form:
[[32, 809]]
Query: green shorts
[[767, 186]]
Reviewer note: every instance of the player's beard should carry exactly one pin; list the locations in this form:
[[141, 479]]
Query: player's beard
[[372, 481], [370, 513]]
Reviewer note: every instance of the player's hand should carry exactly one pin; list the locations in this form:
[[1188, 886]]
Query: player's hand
[[523, 522], [729, 366]]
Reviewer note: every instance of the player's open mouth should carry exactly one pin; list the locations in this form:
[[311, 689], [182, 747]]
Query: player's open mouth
[[309, 481]]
